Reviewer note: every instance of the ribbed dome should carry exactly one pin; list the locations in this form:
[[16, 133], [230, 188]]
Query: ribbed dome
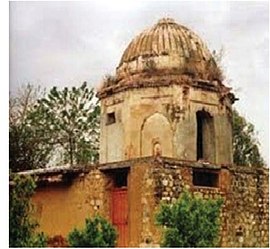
[[166, 45]]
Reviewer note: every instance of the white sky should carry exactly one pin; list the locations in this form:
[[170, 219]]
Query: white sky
[[66, 43]]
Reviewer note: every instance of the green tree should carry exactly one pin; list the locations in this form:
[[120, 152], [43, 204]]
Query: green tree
[[23, 101], [22, 227], [97, 233], [27, 149], [69, 119], [245, 144], [190, 222]]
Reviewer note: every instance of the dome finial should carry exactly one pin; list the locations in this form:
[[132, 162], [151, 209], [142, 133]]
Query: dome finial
[[166, 20]]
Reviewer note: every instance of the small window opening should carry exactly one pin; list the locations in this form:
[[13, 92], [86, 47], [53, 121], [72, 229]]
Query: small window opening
[[205, 178], [120, 179], [110, 118]]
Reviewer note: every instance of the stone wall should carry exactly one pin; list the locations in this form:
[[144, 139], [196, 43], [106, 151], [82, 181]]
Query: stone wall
[[164, 183], [244, 216], [248, 208]]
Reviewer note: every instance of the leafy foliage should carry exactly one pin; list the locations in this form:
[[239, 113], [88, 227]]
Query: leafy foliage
[[22, 102], [245, 144], [27, 150], [21, 225], [190, 222], [69, 118], [96, 233]]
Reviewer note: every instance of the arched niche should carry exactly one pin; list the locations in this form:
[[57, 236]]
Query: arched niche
[[156, 134]]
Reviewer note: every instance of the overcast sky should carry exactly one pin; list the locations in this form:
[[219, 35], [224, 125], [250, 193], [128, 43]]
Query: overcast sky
[[66, 43]]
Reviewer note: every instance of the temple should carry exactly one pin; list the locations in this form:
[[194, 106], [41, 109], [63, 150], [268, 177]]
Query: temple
[[166, 126]]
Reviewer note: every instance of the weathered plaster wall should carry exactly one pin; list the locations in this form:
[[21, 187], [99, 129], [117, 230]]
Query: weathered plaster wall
[[61, 207], [112, 135], [170, 111], [223, 132]]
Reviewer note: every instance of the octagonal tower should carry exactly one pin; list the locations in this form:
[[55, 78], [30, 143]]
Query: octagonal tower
[[166, 99]]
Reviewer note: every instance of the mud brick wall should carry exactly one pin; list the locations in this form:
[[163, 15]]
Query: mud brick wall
[[61, 206]]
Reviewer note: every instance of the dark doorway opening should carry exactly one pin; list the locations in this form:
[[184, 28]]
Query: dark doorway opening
[[120, 178], [199, 117], [205, 136]]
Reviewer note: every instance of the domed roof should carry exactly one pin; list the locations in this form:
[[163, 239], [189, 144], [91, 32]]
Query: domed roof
[[167, 45]]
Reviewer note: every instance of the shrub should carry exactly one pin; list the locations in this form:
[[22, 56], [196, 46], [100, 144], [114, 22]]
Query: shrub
[[22, 227], [97, 232], [190, 222]]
